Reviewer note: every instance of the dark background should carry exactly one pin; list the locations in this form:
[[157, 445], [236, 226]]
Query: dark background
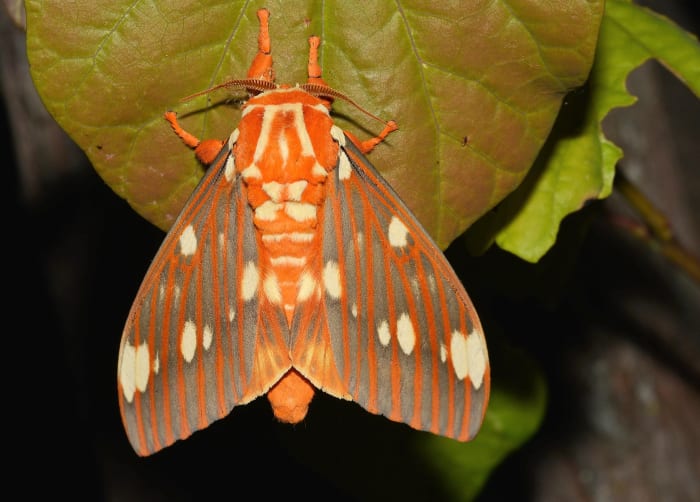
[[616, 331]]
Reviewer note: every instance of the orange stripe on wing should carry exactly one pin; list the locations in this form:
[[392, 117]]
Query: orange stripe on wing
[[152, 376]]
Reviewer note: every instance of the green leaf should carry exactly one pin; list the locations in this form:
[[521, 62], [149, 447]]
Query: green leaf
[[371, 458], [474, 86], [578, 164]]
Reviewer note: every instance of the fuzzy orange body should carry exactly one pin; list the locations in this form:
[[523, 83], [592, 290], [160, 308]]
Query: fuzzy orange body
[[284, 152]]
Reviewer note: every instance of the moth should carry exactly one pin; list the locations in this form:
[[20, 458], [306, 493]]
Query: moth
[[295, 267]]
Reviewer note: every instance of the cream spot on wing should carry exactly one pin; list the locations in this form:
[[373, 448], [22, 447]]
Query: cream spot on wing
[[383, 333], [143, 366], [230, 168], [354, 309], [477, 360], [156, 364], [127, 368], [331, 279], [443, 352], [249, 282], [272, 288], [397, 233], [307, 285], [207, 337], [338, 135], [233, 138], [296, 189], [344, 167], [405, 333], [188, 342], [267, 211], [188, 241], [222, 240], [134, 367], [459, 354], [300, 211], [231, 314]]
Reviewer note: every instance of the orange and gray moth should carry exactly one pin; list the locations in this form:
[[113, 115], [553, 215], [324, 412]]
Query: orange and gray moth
[[293, 267]]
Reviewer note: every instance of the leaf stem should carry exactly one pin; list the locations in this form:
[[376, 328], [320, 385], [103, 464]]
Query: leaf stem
[[655, 230]]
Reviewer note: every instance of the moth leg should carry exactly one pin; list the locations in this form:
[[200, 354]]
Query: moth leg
[[314, 69], [206, 150], [261, 67], [368, 144]]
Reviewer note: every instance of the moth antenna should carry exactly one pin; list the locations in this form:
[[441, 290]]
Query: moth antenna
[[250, 84], [329, 92]]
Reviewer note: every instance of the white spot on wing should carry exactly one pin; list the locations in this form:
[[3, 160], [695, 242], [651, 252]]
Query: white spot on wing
[[233, 138], [134, 366], [143, 362], [127, 368], [156, 364], [207, 337], [188, 241], [354, 310], [477, 361], [459, 354], [231, 314], [188, 342], [443, 352], [397, 233], [344, 167], [383, 333], [230, 168], [249, 282], [331, 279], [405, 333]]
